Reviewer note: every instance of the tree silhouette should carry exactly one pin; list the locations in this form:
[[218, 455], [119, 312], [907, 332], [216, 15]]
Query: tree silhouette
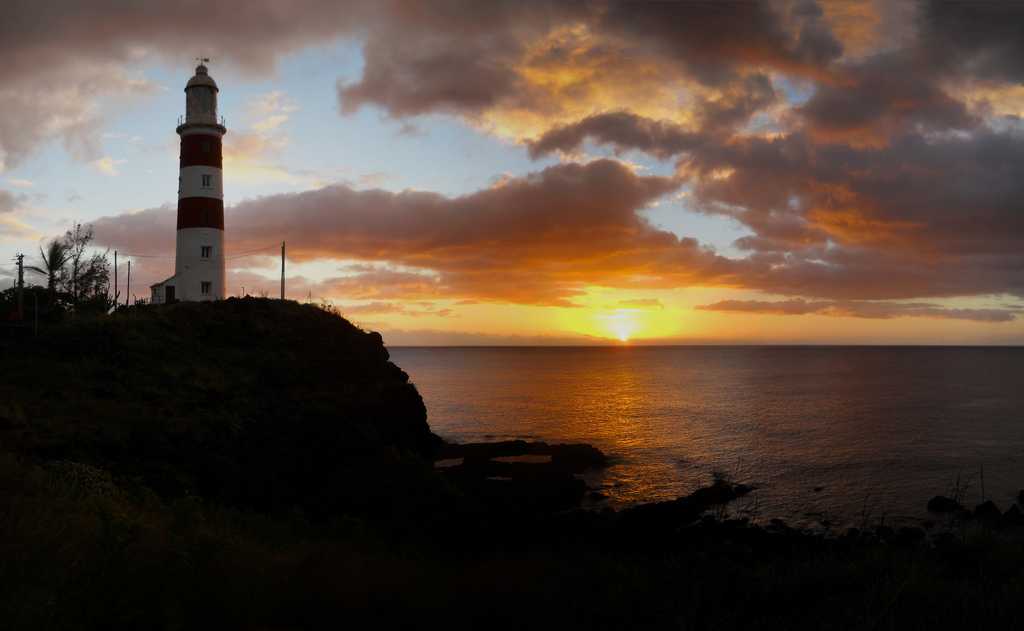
[[54, 258], [87, 280]]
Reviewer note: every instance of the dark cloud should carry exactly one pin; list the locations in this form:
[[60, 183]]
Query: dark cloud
[[466, 57], [623, 131], [918, 217], [414, 77], [736, 104], [862, 309], [35, 36], [456, 56], [881, 98], [940, 197], [713, 40], [982, 39]]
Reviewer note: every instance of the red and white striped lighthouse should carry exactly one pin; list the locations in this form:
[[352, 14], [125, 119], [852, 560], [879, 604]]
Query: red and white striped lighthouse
[[199, 251]]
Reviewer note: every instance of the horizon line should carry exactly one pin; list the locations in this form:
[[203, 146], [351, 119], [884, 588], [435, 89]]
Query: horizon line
[[714, 345]]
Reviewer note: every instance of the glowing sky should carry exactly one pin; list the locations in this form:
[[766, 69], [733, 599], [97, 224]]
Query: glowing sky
[[526, 172]]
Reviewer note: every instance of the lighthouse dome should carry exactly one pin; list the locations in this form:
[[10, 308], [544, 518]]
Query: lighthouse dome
[[201, 100], [201, 78]]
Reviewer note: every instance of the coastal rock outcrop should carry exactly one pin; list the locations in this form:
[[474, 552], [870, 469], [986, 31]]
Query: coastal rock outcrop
[[518, 475]]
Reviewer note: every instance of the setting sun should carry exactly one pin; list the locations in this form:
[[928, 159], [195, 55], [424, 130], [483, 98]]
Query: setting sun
[[622, 324]]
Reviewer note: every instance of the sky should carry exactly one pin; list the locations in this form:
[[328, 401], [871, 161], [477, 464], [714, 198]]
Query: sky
[[507, 172]]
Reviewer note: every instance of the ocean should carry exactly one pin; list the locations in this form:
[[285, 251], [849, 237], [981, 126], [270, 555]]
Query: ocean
[[838, 436]]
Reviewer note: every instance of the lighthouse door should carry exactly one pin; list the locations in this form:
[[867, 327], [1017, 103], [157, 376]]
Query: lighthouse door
[[169, 294]]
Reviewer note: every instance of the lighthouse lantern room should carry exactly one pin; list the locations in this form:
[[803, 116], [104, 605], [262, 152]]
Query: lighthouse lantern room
[[199, 249]]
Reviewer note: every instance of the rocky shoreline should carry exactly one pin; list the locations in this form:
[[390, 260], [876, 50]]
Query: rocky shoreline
[[519, 476]]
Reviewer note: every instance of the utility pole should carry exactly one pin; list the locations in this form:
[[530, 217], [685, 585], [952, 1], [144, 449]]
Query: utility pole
[[982, 484], [21, 286], [282, 270], [115, 280], [128, 287]]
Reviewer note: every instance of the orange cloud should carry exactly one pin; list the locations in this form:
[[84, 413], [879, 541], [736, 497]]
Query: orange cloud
[[863, 309]]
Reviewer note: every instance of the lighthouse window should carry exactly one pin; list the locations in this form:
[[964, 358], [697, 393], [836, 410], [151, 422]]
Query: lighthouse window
[[206, 250], [207, 181], [204, 287]]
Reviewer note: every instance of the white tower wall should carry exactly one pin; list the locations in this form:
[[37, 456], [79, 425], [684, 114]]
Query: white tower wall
[[191, 269]]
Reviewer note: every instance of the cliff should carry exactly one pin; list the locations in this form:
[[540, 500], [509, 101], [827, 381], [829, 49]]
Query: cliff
[[255, 403]]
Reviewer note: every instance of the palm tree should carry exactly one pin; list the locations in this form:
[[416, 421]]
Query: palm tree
[[54, 257]]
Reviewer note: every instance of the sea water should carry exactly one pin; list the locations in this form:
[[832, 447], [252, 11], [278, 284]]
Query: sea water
[[837, 435]]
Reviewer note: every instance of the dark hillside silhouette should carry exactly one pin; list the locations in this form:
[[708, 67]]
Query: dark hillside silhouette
[[255, 403]]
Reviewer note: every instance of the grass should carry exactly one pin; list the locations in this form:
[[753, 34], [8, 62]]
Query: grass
[[82, 551]]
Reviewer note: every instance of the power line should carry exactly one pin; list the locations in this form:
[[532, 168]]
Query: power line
[[150, 256], [227, 258], [269, 246], [254, 251]]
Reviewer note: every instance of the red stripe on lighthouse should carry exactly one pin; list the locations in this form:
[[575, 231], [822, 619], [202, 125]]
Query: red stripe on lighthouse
[[200, 212], [200, 150]]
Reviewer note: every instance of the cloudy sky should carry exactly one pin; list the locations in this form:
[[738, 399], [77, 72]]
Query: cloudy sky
[[532, 172]]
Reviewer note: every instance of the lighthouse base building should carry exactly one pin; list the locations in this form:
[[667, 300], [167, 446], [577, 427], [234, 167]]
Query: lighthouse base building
[[199, 247]]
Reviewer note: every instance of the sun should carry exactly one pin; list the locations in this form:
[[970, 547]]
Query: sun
[[621, 324]]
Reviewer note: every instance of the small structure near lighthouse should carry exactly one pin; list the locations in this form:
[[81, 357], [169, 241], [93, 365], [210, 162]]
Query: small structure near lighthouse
[[199, 249]]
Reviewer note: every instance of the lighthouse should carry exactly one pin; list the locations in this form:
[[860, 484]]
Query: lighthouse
[[199, 247]]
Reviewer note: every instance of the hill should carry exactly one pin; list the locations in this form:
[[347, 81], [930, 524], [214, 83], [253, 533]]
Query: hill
[[251, 402]]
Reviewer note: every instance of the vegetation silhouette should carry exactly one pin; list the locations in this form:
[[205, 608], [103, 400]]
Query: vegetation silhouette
[[77, 282]]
